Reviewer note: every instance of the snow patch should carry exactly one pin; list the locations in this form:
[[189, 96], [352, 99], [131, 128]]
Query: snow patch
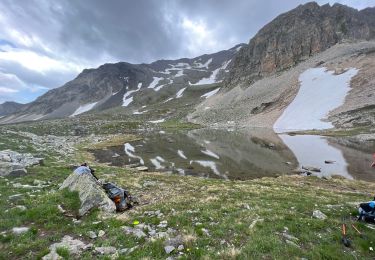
[[126, 100], [208, 164], [139, 112], [83, 109], [211, 93], [169, 99], [180, 92], [157, 164], [181, 154], [129, 150], [210, 153], [320, 92], [157, 121], [205, 65], [155, 82]]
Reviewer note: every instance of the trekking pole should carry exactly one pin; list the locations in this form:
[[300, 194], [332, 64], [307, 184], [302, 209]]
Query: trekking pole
[[359, 232], [344, 239]]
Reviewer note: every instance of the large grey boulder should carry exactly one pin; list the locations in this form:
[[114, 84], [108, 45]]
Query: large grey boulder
[[13, 163], [90, 192]]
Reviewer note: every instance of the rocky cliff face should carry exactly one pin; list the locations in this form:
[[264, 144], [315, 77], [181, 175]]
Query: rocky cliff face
[[8, 108], [297, 35]]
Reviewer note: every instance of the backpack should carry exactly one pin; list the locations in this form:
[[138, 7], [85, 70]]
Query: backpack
[[119, 196], [367, 211]]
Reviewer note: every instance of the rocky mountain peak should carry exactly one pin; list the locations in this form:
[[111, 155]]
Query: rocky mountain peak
[[297, 35]]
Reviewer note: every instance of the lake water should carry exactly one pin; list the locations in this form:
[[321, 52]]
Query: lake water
[[242, 155]]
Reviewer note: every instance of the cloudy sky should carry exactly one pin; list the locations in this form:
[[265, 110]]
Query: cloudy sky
[[44, 44]]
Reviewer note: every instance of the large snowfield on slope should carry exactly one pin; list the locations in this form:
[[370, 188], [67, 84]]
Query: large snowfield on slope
[[83, 109], [320, 92]]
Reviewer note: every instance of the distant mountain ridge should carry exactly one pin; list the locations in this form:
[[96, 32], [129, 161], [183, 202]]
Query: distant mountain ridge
[[115, 85], [9, 107]]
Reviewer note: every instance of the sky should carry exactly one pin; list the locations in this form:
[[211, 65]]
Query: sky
[[44, 44]]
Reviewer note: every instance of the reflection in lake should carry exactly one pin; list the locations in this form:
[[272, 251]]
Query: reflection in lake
[[234, 155]]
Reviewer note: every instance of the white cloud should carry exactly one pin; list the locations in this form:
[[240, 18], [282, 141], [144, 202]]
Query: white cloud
[[201, 38], [5, 90], [37, 62]]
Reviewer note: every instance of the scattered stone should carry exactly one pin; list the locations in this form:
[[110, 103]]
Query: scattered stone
[[289, 237], [329, 161], [105, 250], [311, 169], [90, 192], [163, 224], [131, 250], [20, 207], [20, 230], [39, 182], [61, 209], [255, 221], [205, 231], [13, 163], [142, 168], [246, 206], [319, 215], [101, 233], [138, 233], [74, 246], [180, 247], [291, 243], [15, 197], [92, 235], [169, 249]]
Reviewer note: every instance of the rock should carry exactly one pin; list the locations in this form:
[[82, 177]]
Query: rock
[[20, 207], [61, 209], [311, 168], [169, 249], [40, 183], [141, 168], [319, 215], [291, 243], [163, 224], [138, 233], [205, 231], [74, 246], [20, 230], [92, 235], [289, 237], [105, 250], [101, 233], [329, 161], [91, 194], [180, 247], [13, 163]]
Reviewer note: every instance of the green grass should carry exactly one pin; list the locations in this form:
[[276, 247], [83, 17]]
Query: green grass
[[244, 219]]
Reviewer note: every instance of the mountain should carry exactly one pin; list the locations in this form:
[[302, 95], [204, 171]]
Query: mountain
[[8, 108], [296, 36], [125, 85], [265, 75], [247, 85]]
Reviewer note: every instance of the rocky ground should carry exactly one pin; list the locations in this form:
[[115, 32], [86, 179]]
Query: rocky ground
[[178, 217]]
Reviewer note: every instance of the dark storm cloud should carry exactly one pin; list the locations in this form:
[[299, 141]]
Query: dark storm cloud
[[49, 42]]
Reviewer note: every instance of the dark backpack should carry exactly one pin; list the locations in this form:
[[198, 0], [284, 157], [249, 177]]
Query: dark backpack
[[119, 196]]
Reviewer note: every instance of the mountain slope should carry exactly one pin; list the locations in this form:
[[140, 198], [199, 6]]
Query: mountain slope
[[264, 77], [124, 85], [297, 35], [8, 108]]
